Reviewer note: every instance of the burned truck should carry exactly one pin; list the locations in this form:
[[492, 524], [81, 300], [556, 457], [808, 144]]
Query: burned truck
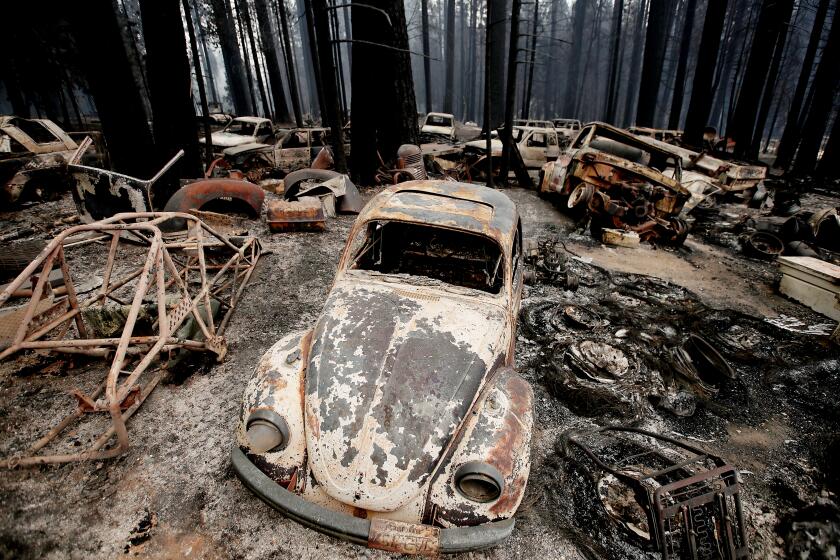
[[398, 421], [620, 181]]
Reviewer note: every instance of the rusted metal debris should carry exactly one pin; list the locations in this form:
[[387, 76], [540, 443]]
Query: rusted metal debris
[[547, 262], [34, 154], [176, 296], [100, 193], [613, 178], [334, 189], [220, 195], [305, 214], [677, 498], [393, 407]]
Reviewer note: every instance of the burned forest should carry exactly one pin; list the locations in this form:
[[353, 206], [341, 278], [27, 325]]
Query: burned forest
[[385, 279]]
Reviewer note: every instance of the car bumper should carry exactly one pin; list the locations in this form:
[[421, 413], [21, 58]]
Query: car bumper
[[357, 530]]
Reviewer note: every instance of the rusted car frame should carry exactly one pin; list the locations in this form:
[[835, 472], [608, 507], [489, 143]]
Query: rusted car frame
[[186, 287], [295, 149], [398, 421], [33, 155], [621, 181]]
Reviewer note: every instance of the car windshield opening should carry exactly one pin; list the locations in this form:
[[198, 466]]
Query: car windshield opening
[[435, 120], [454, 257], [241, 127]]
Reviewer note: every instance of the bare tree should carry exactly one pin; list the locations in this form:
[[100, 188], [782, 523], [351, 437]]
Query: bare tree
[[115, 90], [612, 86], [700, 104], [657, 29], [449, 88], [826, 79], [268, 36], [790, 135], [170, 90], [682, 65], [570, 99], [771, 24], [427, 63]]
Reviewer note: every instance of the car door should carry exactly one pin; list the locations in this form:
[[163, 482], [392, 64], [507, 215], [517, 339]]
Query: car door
[[262, 132], [536, 144], [553, 149]]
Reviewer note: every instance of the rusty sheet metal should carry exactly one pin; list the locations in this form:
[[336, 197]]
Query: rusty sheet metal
[[174, 283], [306, 214], [321, 182], [448, 204], [497, 433], [100, 194], [226, 191], [277, 385], [376, 354], [407, 538]]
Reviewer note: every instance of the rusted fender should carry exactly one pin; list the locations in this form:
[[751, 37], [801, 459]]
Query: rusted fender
[[349, 201], [277, 386], [195, 195], [497, 433]]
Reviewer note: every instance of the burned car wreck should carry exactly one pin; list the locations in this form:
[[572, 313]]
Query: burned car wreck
[[621, 182], [398, 421]]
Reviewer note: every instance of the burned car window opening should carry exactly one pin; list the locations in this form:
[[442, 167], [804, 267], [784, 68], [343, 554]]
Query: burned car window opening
[[241, 128], [36, 131], [435, 120], [454, 257]]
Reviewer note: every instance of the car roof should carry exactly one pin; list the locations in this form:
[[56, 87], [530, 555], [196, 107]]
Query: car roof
[[462, 206], [251, 119], [450, 115], [632, 139]]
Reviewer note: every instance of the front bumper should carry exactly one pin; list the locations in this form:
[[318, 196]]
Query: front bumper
[[357, 530]]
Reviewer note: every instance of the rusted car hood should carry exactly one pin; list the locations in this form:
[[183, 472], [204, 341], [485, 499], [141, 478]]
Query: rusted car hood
[[392, 374]]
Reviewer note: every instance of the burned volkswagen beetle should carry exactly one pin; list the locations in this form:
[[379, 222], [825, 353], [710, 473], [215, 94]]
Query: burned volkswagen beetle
[[398, 421]]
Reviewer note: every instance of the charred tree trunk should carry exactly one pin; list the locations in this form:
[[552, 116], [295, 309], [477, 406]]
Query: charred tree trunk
[[635, 63], [272, 60], [824, 89], [701, 93], [652, 61], [332, 117], [199, 80], [247, 69], [312, 35], [770, 25], [231, 56], [427, 64], [245, 14], [473, 62], [770, 86], [549, 99], [497, 18], [612, 86], [208, 66], [115, 90], [682, 65], [790, 136], [383, 104], [170, 92], [570, 99], [450, 57], [290, 63], [510, 91], [526, 98]]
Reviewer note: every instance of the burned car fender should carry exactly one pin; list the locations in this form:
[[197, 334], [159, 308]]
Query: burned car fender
[[271, 425], [493, 447]]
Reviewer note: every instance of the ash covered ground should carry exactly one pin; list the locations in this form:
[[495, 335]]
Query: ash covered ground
[[174, 493]]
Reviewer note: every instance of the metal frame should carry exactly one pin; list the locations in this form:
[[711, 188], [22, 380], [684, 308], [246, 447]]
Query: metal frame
[[679, 511], [191, 266]]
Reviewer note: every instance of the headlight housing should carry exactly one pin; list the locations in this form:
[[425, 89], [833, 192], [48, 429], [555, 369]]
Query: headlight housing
[[479, 482], [266, 431]]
